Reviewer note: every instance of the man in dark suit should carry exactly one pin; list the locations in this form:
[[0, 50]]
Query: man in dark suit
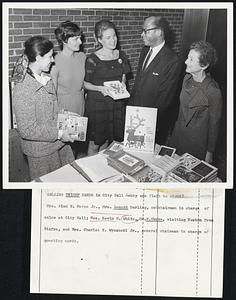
[[158, 75]]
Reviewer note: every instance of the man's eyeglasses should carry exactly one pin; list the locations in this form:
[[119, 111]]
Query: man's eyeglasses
[[146, 30]]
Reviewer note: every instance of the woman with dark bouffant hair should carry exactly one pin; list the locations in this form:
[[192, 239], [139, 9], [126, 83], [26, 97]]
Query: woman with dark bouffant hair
[[105, 116], [36, 110], [197, 126], [68, 73]]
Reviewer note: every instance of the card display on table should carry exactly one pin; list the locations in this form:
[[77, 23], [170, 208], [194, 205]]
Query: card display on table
[[113, 148], [183, 174], [125, 162], [188, 160], [149, 173]]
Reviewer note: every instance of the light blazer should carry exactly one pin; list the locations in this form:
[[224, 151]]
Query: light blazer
[[36, 109], [156, 86]]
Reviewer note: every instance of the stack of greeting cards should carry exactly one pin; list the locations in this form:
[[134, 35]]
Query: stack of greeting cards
[[113, 148], [183, 174], [166, 163], [125, 162], [149, 173], [188, 160], [207, 171]]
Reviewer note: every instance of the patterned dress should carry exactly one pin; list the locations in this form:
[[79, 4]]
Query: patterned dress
[[106, 116]]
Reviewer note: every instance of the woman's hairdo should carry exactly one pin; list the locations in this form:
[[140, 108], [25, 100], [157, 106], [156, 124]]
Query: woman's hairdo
[[37, 45], [101, 26], [66, 30], [207, 53]]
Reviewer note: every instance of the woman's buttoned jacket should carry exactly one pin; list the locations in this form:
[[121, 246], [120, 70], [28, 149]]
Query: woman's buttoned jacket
[[36, 110], [196, 129]]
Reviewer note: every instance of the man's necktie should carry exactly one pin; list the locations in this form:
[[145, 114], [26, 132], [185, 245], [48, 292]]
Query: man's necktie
[[147, 59]]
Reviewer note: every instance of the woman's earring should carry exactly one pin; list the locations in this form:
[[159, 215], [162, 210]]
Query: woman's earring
[[97, 44]]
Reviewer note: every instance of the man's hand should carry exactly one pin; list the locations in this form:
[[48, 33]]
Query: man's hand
[[209, 157]]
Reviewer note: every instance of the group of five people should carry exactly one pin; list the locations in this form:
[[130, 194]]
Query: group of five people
[[44, 89]]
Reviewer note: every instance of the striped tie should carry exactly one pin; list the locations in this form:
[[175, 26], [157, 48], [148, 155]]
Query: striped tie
[[147, 59]]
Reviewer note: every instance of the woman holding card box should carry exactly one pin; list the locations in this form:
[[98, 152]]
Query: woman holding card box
[[106, 116], [36, 109], [197, 126], [69, 71]]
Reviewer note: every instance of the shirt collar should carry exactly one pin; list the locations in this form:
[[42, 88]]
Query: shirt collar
[[156, 49], [43, 78]]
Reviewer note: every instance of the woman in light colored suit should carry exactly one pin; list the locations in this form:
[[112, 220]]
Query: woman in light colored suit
[[36, 109]]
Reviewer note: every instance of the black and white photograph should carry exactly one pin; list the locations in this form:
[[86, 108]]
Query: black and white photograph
[[97, 94], [172, 58]]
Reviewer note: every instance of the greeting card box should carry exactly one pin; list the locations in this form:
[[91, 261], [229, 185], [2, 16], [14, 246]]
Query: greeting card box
[[74, 124], [113, 148], [183, 174], [140, 129], [125, 162], [149, 173], [117, 90], [206, 170], [188, 160], [164, 150], [166, 163]]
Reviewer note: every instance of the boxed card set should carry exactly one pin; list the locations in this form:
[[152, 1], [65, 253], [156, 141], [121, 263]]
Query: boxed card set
[[74, 124]]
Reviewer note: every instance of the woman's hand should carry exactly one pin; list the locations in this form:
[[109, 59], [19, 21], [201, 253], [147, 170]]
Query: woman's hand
[[209, 157], [66, 137], [123, 85], [104, 90]]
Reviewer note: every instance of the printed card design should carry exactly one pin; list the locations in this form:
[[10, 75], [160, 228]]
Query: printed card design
[[117, 90], [140, 128], [74, 124], [114, 147], [183, 174], [164, 150], [206, 170], [128, 160], [125, 162], [188, 160], [149, 174]]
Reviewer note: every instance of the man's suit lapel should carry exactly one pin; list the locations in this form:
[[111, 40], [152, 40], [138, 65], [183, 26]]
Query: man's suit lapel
[[142, 58], [157, 60]]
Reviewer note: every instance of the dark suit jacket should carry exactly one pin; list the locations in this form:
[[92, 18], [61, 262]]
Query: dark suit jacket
[[157, 85]]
